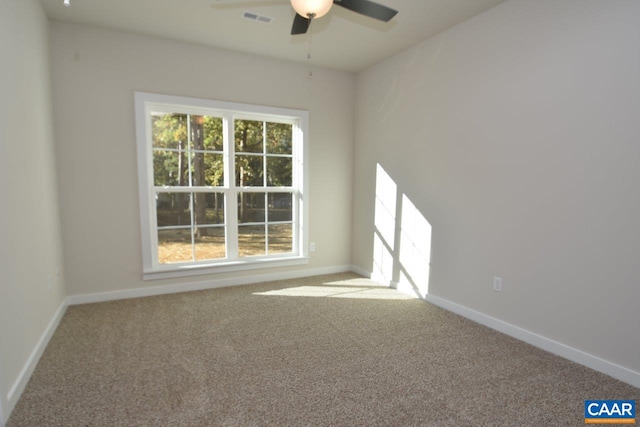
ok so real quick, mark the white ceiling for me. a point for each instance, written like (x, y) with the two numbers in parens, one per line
(341, 40)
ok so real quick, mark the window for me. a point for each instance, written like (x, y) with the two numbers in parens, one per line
(221, 185)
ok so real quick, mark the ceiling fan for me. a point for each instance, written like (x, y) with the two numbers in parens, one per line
(308, 10)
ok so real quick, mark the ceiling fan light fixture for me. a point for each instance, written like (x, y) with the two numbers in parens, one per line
(311, 8)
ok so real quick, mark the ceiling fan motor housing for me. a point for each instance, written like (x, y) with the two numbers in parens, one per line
(311, 8)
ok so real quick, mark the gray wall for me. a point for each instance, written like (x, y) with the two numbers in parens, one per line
(31, 274)
(515, 135)
(95, 73)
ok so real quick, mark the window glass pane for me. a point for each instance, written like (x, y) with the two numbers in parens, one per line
(189, 205)
(213, 136)
(279, 137)
(280, 238)
(174, 245)
(169, 131)
(169, 167)
(280, 206)
(251, 240)
(248, 136)
(208, 170)
(251, 207)
(198, 171)
(172, 209)
(279, 171)
(249, 171)
(214, 170)
(208, 208)
(210, 243)
(197, 131)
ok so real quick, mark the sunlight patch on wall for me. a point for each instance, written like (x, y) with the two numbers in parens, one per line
(382, 261)
(415, 249)
(385, 206)
(385, 226)
(401, 239)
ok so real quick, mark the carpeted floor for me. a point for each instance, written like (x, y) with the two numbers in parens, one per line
(323, 351)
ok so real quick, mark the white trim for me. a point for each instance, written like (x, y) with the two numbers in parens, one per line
(23, 378)
(606, 367)
(167, 272)
(559, 349)
(198, 286)
(145, 103)
(578, 356)
(361, 271)
(143, 133)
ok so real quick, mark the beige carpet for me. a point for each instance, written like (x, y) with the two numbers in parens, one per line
(331, 350)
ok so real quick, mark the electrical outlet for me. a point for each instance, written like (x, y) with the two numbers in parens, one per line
(497, 284)
(312, 246)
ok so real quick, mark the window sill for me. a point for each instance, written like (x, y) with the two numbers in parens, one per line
(170, 271)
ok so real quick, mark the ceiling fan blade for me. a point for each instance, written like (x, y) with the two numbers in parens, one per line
(300, 25)
(368, 8)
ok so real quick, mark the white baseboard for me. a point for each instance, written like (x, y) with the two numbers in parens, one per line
(616, 371)
(578, 356)
(593, 362)
(198, 286)
(23, 378)
(361, 271)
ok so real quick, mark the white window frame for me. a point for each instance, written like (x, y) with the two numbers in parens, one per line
(145, 103)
